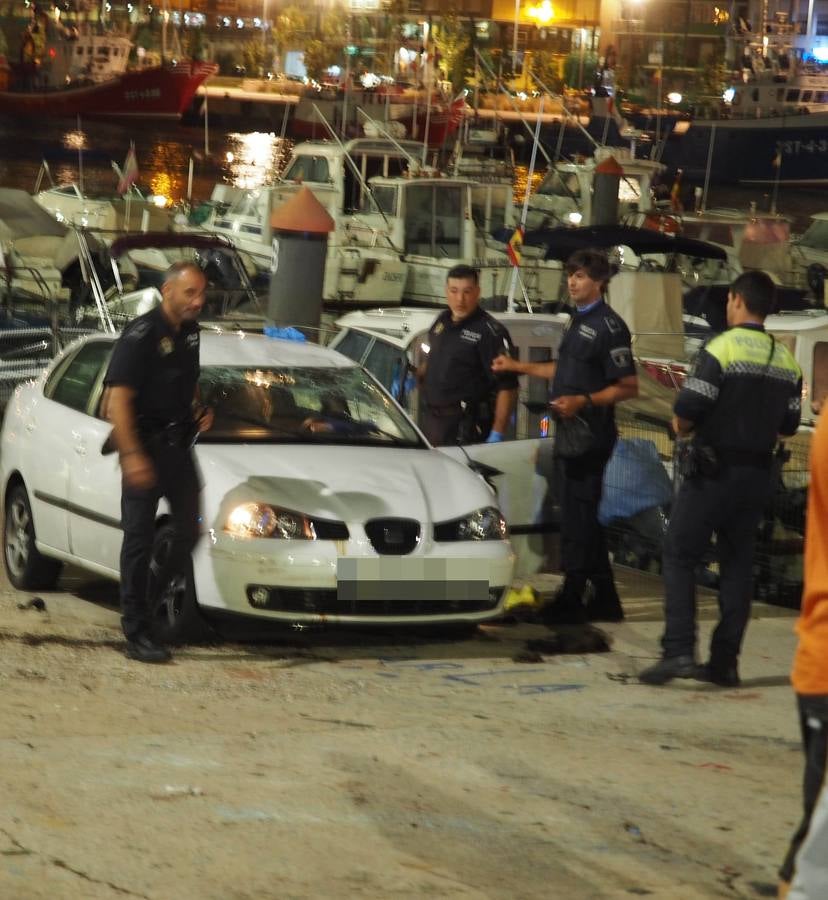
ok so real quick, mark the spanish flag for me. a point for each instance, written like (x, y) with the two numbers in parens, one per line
(515, 246)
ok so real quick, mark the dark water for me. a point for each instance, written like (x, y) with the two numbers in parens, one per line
(245, 159)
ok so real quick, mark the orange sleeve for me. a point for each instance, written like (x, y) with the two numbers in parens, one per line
(810, 669)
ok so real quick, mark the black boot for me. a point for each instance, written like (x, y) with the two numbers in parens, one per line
(668, 668)
(724, 674)
(144, 649)
(567, 607)
(604, 605)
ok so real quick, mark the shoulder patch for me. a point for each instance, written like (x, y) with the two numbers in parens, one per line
(138, 330)
(621, 356)
(613, 325)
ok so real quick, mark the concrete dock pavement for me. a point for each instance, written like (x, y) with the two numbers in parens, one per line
(379, 764)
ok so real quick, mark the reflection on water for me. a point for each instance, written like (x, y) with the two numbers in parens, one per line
(74, 140)
(164, 152)
(255, 159)
(522, 179)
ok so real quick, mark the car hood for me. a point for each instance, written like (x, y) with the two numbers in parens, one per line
(341, 483)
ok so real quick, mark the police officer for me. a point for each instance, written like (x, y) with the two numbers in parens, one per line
(152, 385)
(464, 401)
(744, 391)
(593, 372)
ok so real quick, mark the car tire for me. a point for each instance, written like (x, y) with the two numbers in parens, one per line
(175, 616)
(26, 567)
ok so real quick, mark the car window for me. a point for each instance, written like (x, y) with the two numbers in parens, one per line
(353, 345)
(74, 385)
(385, 363)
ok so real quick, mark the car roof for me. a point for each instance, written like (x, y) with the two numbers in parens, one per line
(399, 325)
(238, 348)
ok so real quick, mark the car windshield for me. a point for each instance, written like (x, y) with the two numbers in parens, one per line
(302, 405)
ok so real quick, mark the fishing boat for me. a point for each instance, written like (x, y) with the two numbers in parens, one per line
(406, 112)
(79, 72)
(771, 126)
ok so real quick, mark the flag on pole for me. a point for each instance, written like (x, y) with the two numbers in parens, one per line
(515, 246)
(129, 174)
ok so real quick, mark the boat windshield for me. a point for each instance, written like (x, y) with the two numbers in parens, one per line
(560, 184)
(816, 235)
(302, 405)
(384, 200)
(308, 168)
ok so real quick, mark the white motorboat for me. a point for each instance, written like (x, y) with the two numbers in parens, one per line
(354, 275)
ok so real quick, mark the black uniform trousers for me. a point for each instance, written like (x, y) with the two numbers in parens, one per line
(442, 427)
(584, 553)
(813, 720)
(729, 505)
(179, 482)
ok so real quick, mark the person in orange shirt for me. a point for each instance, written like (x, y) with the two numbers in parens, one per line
(810, 669)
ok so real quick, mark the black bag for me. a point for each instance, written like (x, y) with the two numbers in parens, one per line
(573, 437)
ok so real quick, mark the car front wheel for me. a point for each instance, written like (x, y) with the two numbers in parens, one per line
(26, 566)
(173, 605)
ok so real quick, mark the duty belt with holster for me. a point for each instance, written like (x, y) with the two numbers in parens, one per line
(176, 433)
(156, 433)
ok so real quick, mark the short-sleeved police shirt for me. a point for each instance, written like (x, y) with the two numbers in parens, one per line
(160, 364)
(595, 352)
(460, 359)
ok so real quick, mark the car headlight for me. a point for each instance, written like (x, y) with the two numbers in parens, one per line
(485, 524)
(260, 520)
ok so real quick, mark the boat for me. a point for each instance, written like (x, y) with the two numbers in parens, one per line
(406, 111)
(433, 223)
(809, 252)
(566, 194)
(353, 275)
(770, 128)
(83, 73)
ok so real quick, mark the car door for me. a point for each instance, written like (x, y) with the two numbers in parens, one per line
(52, 429)
(94, 494)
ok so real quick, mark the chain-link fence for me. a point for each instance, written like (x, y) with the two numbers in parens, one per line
(638, 489)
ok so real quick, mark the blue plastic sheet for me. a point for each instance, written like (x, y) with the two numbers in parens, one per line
(285, 334)
(635, 479)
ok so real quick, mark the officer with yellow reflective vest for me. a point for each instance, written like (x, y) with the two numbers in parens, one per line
(743, 393)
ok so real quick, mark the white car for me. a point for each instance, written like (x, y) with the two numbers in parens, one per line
(322, 501)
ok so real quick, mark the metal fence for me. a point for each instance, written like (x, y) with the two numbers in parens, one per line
(636, 540)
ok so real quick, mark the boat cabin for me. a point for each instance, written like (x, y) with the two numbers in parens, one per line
(565, 195)
(435, 217)
(326, 164)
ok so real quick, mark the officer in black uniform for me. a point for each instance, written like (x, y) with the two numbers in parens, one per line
(464, 400)
(152, 385)
(745, 390)
(593, 372)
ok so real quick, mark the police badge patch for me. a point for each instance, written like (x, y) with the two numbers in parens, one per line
(621, 356)
(165, 346)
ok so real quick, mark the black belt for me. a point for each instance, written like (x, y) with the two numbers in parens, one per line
(734, 457)
(444, 409)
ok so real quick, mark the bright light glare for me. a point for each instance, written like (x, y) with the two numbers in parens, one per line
(674, 97)
(728, 95)
(821, 54)
(574, 218)
(543, 12)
